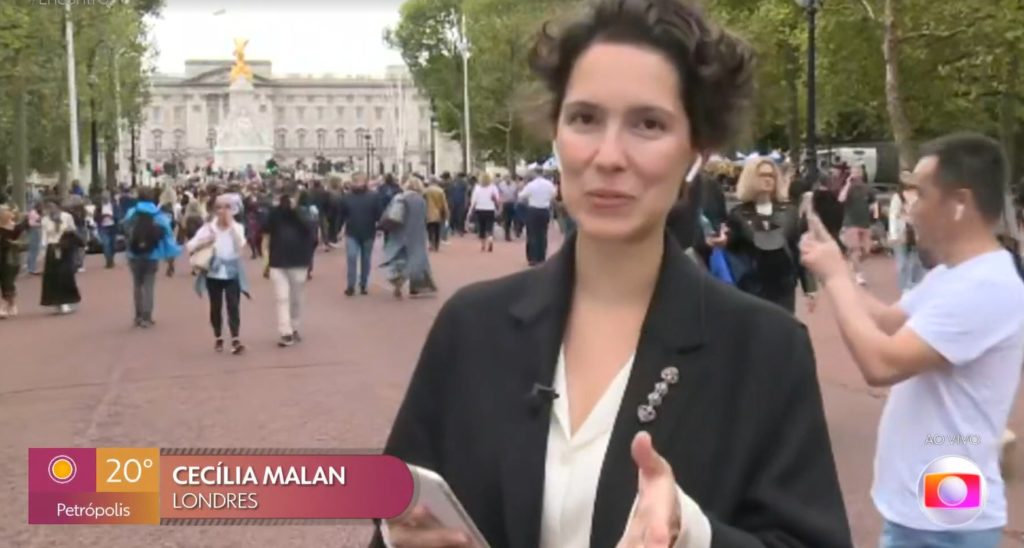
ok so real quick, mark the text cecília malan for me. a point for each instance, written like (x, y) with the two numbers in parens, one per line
(221, 475)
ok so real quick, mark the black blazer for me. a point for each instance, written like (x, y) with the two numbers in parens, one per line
(743, 429)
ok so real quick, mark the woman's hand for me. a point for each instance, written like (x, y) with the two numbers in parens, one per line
(419, 529)
(657, 519)
(722, 239)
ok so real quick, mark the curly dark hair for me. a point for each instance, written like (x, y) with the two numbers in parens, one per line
(716, 68)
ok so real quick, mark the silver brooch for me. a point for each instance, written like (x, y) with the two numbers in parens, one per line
(648, 412)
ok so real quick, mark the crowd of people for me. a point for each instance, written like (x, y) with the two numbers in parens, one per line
(280, 219)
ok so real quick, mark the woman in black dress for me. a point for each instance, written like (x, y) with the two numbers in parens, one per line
(62, 245)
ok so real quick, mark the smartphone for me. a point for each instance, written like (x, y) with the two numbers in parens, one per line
(433, 493)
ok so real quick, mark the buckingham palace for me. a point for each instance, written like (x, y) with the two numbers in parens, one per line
(347, 120)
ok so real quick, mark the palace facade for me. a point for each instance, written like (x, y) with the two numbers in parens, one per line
(380, 124)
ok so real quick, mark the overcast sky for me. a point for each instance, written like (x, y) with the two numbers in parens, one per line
(343, 37)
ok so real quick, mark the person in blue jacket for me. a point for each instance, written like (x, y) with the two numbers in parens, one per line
(150, 239)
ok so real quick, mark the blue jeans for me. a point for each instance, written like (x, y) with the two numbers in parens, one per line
(356, 249)
(909, 269)
(108, 235)
(898, 536)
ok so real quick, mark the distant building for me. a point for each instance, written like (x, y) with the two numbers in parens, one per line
(342, 119)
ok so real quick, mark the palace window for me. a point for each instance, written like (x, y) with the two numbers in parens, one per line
(340, 135)
(319, 113)
(156, 116)
(340, 112)
(378, 136)
(280, 113)
(359, 113)
(179, 116)
(263, 109)
(158, 137)
(360, 137)
(379, 113)
(179, 140)
(302, 138)
(211, 139)
(280, 138)
(300, 114)
(321, 139)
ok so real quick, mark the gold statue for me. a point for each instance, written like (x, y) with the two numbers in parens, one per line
(241, 68)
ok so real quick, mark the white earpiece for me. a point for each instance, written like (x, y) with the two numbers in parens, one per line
(695, 169)
(959, 212)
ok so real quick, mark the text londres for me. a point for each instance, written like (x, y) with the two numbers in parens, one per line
(221, 475)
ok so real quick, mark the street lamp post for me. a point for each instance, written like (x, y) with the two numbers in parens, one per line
(433, 145)
(131, 128)
(464, 50)
(72, 90)
(811, 7)
(94, 147)
(369, 154)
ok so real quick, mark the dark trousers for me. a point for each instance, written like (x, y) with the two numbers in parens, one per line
(221, 291)
(508, 217)
(484, 224)
(434, 235)
(108, 237)
(458, 218)
(537, 220)
(144, 284)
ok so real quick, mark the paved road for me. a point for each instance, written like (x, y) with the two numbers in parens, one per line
(91, 380)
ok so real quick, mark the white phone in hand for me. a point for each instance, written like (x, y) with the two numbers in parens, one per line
(433, 493)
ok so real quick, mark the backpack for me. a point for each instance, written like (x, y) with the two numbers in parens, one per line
(145, 234)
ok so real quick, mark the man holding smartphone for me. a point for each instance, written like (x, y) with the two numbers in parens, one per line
(951, 348)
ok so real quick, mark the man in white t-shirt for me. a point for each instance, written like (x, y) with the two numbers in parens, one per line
(952, 350)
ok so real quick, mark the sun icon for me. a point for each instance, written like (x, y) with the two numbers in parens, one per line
(62, 469)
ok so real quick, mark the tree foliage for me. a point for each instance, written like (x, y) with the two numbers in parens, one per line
(958, 64)
(33, 66)
(499, 35)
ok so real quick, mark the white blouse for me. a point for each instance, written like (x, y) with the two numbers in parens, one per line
(484, 198)
(573, 468)
(227, 244)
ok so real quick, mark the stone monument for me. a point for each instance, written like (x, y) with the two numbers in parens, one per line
(240, 143)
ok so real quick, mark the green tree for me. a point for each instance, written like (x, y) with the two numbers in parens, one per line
(34, 128)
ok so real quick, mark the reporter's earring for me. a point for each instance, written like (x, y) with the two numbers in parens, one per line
(959, 212)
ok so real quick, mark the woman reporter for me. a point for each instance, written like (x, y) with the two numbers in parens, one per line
(604, 397)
